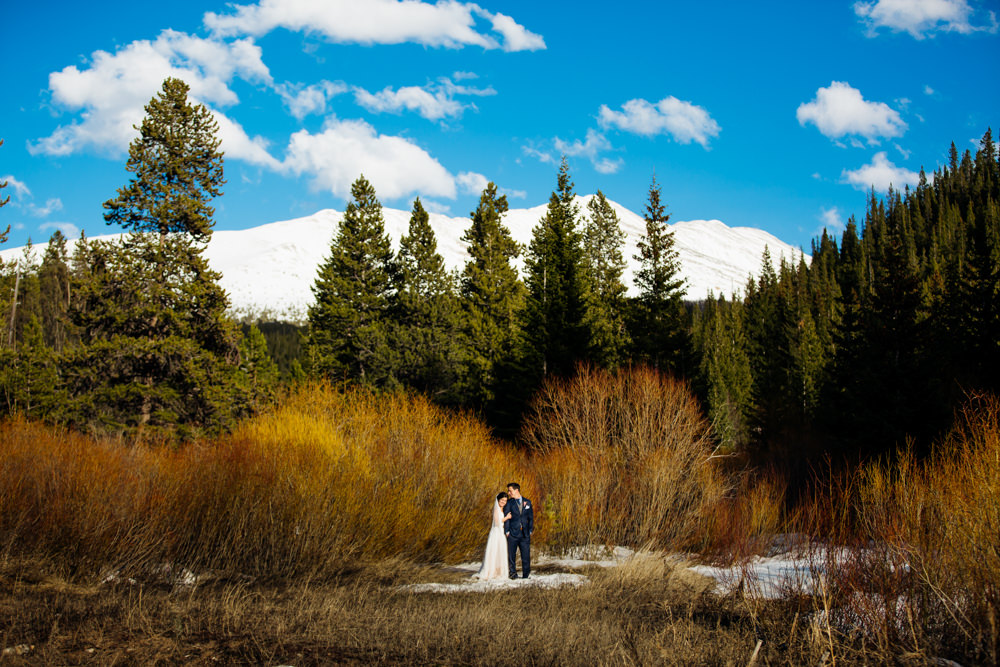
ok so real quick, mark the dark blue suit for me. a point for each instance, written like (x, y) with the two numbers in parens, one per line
(519, 528)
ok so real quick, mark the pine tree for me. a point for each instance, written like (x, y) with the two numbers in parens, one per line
(604, 265)
(492, 297)
(259, 372)
(428, 327)
(725, 368)
(55, 289)
(349, 324)
(157, 352)
(178, 169)
(555, 308)
(658, 328)
(30, 379)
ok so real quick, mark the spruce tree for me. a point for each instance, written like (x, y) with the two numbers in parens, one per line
(604, 265)
(658, 322)
(178, 169)
(725, 371)
(492, 298)
(259, 372)
(157, 352)
(349, 324)
(427, 316)
(54, 284)
(555, 308)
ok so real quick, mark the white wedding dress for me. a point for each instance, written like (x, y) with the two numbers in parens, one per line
(495, 560)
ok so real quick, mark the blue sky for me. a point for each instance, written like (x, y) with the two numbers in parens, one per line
(777, 115)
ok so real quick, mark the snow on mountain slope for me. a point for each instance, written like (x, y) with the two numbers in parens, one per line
(269, 270)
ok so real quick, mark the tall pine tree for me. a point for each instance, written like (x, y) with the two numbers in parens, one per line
(427, 315)
(555, 307)
(349, 324)
(157, 351)
(604, 264)
(493, 300)
(658, 322)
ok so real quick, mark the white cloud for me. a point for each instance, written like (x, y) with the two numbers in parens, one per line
(303, 101)
(921, 18)
(831, 220)
(471, 183)
(840, 110)
(880, 174)
(20, 188)
(591, 148)
(683, 121)
(540, 155)
(447, 23)
(434, 102)
(346, 148)
(21, 198)
(928, 90)
(236, 143)
(432, 206)
(110, 94)
(68, 229)
(51, 206)
(516, 37)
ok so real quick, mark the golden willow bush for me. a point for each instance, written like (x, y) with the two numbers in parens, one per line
(928, 577)
(320, 483)
(622, 458)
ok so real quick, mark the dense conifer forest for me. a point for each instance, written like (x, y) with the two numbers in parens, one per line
(874, 342)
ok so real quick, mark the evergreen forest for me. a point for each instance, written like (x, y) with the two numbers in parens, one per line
(872, 344)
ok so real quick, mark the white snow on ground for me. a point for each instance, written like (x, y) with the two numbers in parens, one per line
(269, 270)
(792, 566)
(474, 585)
(578, 557)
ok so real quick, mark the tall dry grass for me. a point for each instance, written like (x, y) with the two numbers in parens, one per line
(927, 576)
(325, 480)
(622, 458)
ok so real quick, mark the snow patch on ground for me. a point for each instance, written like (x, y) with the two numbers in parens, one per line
(575, 558)
(478, 586)
(793, 566)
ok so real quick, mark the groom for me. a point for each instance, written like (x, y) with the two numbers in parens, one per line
(518, 530)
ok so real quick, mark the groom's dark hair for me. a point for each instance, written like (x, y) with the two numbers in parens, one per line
(514, 485)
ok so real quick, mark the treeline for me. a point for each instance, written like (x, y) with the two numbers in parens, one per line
(877, 339)
(483, 338)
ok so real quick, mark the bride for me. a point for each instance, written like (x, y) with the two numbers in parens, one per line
(495, 561)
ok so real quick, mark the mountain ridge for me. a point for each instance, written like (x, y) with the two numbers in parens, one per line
(268, 270)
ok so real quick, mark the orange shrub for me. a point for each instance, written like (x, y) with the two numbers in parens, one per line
(324, 479)
(622, 458)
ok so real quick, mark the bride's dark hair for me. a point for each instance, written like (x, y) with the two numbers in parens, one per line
(501, 495)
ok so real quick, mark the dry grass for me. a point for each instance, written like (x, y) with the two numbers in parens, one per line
(927, 580)
(647, 612)
(745, 521)
(322, 482)
(622, 458)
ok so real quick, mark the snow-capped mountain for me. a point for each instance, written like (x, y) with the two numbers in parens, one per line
(268, 270)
